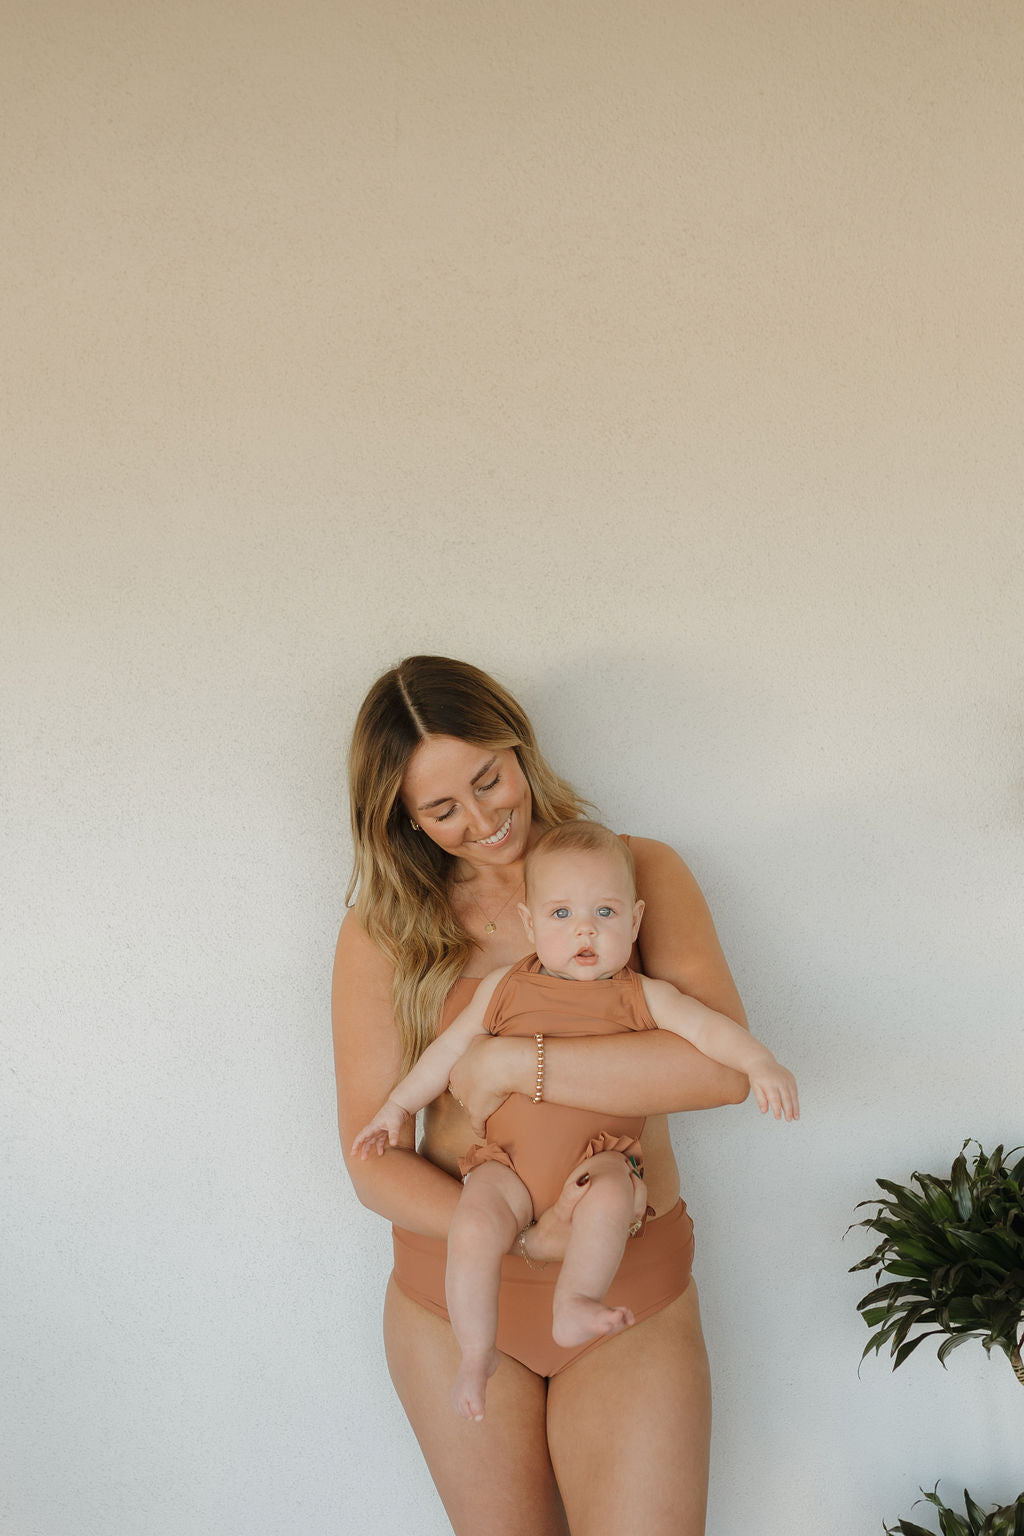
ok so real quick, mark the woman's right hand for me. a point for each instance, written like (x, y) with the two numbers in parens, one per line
(486, 1073)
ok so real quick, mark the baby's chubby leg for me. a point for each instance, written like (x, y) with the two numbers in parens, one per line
(597, 1240)
(493, 1207)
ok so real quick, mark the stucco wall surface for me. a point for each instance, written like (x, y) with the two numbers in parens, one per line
(665, 360)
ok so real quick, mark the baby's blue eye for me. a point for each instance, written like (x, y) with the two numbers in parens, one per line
(605, 912)
(560, 912)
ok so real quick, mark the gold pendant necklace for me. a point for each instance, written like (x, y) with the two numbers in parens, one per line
(491, 923)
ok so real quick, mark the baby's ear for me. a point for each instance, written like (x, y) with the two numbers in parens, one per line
(527, 917)
(638, 912)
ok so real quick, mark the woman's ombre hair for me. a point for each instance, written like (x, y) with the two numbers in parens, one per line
(401, 879)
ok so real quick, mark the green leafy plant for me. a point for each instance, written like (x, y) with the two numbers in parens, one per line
(955, 1250)
(1007, 1520)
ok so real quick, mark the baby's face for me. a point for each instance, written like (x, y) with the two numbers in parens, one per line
(581, 914)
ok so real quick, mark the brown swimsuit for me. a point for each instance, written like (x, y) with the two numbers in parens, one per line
(543, 1143)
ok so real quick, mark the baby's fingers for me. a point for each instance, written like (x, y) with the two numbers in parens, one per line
(775, 1101)
(779, 1098)
(787, 1105)
(364, 1141)
(789, 1097)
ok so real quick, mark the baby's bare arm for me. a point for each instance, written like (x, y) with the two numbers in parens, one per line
(429, 1077)
(719, 1037)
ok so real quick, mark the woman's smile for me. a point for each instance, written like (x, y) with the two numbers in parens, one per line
(496, 837)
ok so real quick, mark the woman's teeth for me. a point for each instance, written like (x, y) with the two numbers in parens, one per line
(499, 836)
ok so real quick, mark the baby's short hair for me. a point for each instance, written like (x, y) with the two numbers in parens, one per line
(581, 837)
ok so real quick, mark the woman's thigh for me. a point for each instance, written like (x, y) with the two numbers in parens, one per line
(629, 1427)
(494, 1478)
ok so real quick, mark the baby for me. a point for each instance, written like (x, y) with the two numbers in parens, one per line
(582, 915)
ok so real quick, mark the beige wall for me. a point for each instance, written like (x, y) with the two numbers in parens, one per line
(665, 359)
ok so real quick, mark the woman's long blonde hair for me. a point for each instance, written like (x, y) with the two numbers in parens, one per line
(403, 879)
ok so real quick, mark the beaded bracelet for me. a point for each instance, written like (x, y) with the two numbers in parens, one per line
(538, 1088)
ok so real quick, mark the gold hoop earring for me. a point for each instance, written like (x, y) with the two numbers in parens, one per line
(414, 824)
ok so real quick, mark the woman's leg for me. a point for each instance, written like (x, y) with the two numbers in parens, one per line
(629, 1428)
(493, 1207)
(597, 1240)
(494, 1478)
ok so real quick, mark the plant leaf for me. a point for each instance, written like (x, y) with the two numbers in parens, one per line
(908, 1349)
(883, 1293)
(989, 1245)
(975, 1513)
(961, 1188)
(907, 1199)
(936, 1192)
(953, 1342)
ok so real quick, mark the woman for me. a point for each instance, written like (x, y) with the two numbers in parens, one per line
(448, 793)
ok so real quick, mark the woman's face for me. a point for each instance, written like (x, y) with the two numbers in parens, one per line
(474, 802)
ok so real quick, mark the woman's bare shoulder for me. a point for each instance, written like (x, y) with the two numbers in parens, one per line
(677, 939)
(658, 861)
(357, 953)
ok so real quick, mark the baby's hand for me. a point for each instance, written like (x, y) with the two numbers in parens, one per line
(775, 1089)
(382, 1130)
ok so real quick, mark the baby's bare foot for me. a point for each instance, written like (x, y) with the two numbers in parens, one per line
(578, 1319)
(470, 1387)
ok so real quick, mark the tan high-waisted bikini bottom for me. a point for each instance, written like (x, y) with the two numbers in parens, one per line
(655, 1269)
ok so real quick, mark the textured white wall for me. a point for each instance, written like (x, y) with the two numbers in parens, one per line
(665, 359)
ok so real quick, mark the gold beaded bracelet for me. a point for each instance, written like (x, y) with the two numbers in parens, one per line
(538, 1089)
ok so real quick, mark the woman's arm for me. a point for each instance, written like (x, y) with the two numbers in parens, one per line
(653, 1073)
(403, 1187)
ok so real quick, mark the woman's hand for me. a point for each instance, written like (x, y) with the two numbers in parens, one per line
(548, 1238)
(487, 1072)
